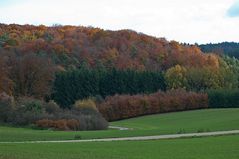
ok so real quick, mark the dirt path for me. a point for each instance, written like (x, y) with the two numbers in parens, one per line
(174, 136)
(119, 128)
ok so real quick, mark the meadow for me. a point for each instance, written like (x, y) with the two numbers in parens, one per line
(169, 123)
(221, 147)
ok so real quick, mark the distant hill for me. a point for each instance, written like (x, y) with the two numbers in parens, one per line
(228, 48)
(69, 46)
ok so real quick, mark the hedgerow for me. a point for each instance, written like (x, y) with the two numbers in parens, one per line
(126, 106)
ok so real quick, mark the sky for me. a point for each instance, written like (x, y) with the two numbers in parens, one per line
(190, 21)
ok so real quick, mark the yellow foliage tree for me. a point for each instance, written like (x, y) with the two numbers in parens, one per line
(176, 77)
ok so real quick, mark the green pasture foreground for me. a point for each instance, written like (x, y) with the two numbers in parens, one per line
(170, 123)
(221, 147)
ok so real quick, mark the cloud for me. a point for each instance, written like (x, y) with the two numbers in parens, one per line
(6, 3)
(233, 11)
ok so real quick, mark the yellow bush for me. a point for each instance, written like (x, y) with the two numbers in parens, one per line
(85, 104)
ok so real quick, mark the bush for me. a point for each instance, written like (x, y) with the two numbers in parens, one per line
(28, 111)
(30, 105)
(98, 99)
(5, 110)
(92, 120)
(73, 124)
(62, 124)
(125, 106)
(89, 119)
(85, 104)
(51, 107)
(74, 120)
(223, 98)
(6, 106)
(22, 118)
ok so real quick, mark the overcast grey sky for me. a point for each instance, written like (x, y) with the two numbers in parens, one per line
(190, 21)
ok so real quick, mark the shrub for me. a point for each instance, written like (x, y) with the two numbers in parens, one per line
(223, 98)
(31, 105)
(89, 119)
(44, 123)
(5, 110)
(51, 107)
(20, 117)
(62, 124)
(26, 111)
(92, 120)
(85, 104)
(98, 99)
(86, 119)
(82, 123)
(125, 106)
(73, 124)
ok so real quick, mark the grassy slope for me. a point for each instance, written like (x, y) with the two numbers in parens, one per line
(180, 122)
(193, 148)
(189, 121)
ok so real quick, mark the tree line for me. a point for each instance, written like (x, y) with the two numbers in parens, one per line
(72, 85)
(37, 76)
(227, 48)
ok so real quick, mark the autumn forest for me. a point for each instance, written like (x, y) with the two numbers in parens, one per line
(53, 74)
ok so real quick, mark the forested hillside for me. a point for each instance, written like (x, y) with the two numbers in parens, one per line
(58, 48)
(227, 48)
(69, 46)
(45, 69)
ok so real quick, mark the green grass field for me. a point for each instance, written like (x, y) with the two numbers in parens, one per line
(170, 123)
(221, 147)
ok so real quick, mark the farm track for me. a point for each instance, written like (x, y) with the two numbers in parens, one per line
(119, 128)
(140, 138)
